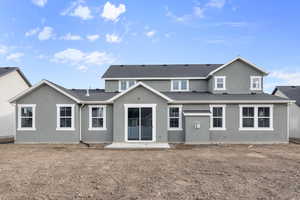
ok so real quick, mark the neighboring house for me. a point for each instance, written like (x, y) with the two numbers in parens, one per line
(293, 93)
(157, 104)
(12, 82)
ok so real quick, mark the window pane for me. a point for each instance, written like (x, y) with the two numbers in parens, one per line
(65, 122)
(174, 112)
(175, 85)
(131, 83)
(217, 122)
(174, 123)
(123, 85)
(218, 112)
(256, 83)
(248, 122)
(264, 123)
(97, 112)
(68, 111)
(62, 111)
(26, 111)
(184, 84)
(97, 122)
(26, 122)
(248, 112)
(263, 112)
(220, 83)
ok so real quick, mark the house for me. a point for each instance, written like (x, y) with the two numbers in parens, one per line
(155, 105)
(293, 93)
(12, 82)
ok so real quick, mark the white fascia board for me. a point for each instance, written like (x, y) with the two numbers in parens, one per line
(233, 101)
(154, 78)
(232, 61)
(196, 114)
(145, 86)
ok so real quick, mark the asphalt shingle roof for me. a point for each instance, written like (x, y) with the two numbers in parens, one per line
(157, 71)
(292, 92)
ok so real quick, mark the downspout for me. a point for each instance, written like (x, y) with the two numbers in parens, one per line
(80, 135)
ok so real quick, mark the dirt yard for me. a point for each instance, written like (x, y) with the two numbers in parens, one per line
(187, 172)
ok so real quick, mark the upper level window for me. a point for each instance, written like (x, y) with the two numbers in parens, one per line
(256, 117)
(26, 117)
(255, 83)
(65, 117)
(175, 117)
(97, 117)
(125, 84)
(179, 85)
(220, 83)
(217, 121)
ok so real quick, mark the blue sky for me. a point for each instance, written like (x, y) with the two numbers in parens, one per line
(72, 42)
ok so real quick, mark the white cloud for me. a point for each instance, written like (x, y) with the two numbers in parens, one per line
(46, 34)
(40, 3)
(14, 57)
(112, 12)
(151, 33)
(113, 38)
(92, 37)
(3, 49)
(82, 68)
(287, 78)
(216, 3)
(199, 12)
(77, 57)
(69, 36)
(32, 32)
(83, 12)
(234, 24)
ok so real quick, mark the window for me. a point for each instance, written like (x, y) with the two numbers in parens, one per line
(220, 83)
(97, 117)
(65, 117)
(179, 85)
(255, 83)
(256, 117)
(125, 84)
(175, 117)
(217, 121)
(26, 117)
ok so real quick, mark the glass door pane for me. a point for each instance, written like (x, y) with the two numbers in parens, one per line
(133, 123)
(146, 123)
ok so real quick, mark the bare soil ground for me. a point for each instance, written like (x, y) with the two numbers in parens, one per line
(186, 172)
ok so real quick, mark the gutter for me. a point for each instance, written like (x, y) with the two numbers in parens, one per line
(80, 135)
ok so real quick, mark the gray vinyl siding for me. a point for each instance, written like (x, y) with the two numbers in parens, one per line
(140, 95)
(237, 78)
(46, 99)
(97, 136)
(197, 135)
(160, 85)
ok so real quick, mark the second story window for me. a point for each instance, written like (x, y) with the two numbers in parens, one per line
(220, 83)
(179, 85)
(125, 84)
(255, 83)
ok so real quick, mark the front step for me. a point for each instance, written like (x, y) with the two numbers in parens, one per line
(138, 146)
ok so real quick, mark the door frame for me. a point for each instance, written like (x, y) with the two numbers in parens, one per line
(153, 106)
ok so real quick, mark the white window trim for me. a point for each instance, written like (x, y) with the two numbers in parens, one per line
(224, 82)
(90, 118)
(127, 84)
(58, 106)
(33, 128)
(223, 128)
(180, 88)
(180, 118)
(256, 128)
(251, 82)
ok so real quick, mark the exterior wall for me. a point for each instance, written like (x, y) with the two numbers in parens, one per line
(140, 95)
(160, 85)
(10, 85)
(197, 135)
(46, 99)
(294, 117)
(97, 136)
(237, 78)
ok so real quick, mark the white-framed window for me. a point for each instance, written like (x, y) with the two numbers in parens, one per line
(220, 82)
(255, 83)
(65, 117)
(175, 117)
(256, 117)
(180, 85)
(97, 117)
(218, 117)
(26, 117)
(125, 84)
